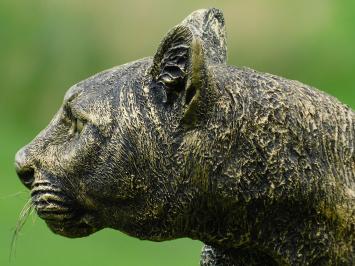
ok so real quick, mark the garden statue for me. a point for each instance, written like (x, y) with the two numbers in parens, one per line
(258, 167)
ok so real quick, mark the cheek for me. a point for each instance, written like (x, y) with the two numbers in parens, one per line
(73, 155)
(108, 180)
(114, 177)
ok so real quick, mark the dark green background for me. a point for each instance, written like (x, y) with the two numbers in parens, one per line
(46, 46)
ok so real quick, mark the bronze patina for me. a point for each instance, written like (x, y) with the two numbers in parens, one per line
(258, 167)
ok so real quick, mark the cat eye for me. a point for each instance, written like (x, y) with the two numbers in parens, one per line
(77, 126)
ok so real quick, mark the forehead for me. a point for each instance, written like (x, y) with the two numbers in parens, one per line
(105, 85)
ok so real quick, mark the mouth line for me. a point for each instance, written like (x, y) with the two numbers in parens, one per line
(54, 215)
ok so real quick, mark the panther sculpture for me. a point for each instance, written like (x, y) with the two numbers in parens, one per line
(259, 168)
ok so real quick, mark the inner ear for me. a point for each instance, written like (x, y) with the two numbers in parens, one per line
(171, 64)
(179, 76)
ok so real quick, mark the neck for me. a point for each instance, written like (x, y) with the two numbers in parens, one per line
(278, 231)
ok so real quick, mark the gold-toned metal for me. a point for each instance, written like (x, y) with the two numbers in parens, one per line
(258, 167)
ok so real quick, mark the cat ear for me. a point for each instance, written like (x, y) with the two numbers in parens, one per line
(209, 26)
(200, 91)
(180, 65)
(172, 61)
(180, 73)
(172, 64)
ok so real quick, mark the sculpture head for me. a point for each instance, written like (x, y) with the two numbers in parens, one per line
(108, 158)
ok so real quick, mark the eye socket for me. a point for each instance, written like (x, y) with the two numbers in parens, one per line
(77, 126)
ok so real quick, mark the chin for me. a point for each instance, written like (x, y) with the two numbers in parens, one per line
(72, 229)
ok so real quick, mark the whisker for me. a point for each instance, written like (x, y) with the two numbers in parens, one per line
(13, 195)
(26, 211)
(33, 216)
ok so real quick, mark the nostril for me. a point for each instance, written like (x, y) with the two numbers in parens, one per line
(26, 175)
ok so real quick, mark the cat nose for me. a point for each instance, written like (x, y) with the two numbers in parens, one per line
(23, 169)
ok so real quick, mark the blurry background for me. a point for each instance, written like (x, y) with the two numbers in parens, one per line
(47, 46)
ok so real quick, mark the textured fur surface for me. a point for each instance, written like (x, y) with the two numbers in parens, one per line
(258, 167)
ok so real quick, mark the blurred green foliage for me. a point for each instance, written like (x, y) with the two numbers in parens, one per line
(46, 46)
